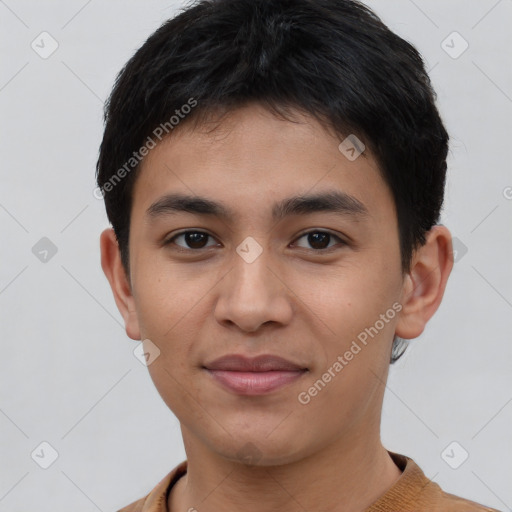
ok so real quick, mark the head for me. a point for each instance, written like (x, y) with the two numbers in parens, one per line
(304, 161)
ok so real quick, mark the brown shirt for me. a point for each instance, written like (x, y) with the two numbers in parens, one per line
(412, 492)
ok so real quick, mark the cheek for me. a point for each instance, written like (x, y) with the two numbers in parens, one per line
(346, 382)
(361, 309)
(170, 313)
(167, 377)
(355, 297)
(165, 297)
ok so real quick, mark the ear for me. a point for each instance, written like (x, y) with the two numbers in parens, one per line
(121, 288)
(424, 285)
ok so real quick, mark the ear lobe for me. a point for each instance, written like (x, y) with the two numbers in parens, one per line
(425, 284)
(119, 283)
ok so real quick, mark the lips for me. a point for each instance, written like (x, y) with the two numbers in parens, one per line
(253, 376)
(263, 363)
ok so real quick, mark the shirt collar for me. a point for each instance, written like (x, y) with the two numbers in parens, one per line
(412, 476)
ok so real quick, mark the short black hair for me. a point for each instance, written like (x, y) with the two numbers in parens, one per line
(334, 60)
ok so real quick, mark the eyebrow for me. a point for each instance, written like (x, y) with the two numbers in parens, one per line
(336, 202)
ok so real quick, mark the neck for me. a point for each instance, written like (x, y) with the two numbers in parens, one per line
(347, 476)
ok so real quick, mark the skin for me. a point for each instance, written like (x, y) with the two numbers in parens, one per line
(293, 301)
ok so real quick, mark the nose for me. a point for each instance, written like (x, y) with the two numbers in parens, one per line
(253, 294)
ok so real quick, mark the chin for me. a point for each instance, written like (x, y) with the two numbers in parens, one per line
(260, 451)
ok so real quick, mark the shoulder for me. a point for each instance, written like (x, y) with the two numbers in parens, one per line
(436, 500)
(136, 506)
(450, 502)
(156, 500)
(414, 492)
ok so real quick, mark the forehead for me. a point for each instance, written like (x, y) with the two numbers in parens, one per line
(254, 159)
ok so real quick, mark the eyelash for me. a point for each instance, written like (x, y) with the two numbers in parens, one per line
(185, 249)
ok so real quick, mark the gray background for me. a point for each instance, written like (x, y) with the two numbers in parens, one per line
(68, 373)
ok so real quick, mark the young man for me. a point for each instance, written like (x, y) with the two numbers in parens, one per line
(274, 172)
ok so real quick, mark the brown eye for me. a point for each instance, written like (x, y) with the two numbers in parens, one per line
(193, 240)
(319, 240)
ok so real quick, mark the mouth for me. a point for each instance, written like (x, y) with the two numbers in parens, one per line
(254, 376)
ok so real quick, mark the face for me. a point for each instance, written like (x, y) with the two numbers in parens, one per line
(317, 283)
